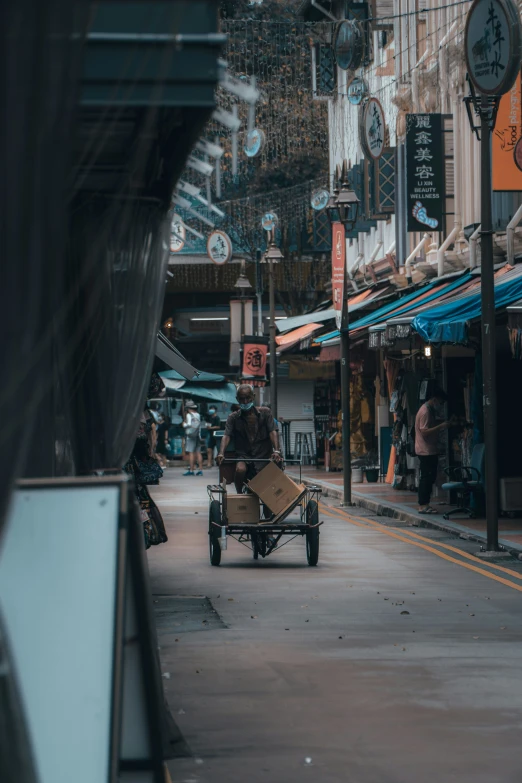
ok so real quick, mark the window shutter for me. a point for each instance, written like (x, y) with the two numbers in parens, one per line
(325, 71)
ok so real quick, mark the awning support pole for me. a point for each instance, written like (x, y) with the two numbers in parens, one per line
(489, 358)
(345, 398)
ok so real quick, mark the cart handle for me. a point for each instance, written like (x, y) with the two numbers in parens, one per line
(253, 459)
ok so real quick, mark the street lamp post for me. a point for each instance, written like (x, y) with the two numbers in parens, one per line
(489, 78)
(343, 208)
(272, 256)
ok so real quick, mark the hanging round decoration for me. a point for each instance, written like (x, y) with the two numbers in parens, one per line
(219, 247)
(493, 45)
(357, 90)
(319, 200)
(372, 129)
(255, 142)
(348, 45)
(178, 234)
(269, 221)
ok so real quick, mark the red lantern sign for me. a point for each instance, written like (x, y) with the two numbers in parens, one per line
(338, 264)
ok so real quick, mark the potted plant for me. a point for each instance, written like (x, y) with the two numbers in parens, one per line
(371, 467)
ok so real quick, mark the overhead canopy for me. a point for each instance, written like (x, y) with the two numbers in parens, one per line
(225, 393)
(409, 302)
(203, 377)
(303, 320)
(448, 323)
(173, 358)
(289, 338)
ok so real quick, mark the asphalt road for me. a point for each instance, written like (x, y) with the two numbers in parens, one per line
(397, 660)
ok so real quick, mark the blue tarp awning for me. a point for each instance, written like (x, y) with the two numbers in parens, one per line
(448, 323)
(202, 377)
(429, 293)
(224, 393)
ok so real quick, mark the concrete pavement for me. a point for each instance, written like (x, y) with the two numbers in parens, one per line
(396, 660)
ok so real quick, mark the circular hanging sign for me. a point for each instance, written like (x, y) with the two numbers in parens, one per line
(319, 199)
(357, 90)
(178, 234)
(373, 128)
(493, 45)
(348, 45)
(219, 247)
(255, 141)
(269, 221)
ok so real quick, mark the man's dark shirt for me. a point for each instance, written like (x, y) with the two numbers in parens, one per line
(250, 431)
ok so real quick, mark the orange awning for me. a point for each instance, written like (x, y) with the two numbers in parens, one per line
(297, 334)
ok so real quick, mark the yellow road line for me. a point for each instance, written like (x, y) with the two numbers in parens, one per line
(443, 555)
(450, 548)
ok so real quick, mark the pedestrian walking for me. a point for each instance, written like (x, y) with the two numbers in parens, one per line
(428, 426)
(163, 445)
(213, 425)
(192, 427)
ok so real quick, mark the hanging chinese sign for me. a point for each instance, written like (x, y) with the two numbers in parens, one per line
(508, 130)
(348, 45)
(493, 45)
(319, 199)
(338, 264)
(219, 247)
(255, 351)
(372, 129)
(269, 221)
(178, 234)
(425, 172)
(357, 90)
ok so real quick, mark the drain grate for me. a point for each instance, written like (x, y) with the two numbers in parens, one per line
(185, 614)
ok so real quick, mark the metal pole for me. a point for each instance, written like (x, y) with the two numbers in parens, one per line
(345, 399)
(488, 332)
(273, 357)
(259, 296)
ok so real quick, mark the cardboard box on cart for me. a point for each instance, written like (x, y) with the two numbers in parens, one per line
(242, 509)
(275, 489)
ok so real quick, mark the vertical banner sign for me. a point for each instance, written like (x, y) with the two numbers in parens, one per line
(508, 130)
(425, 172)
(338, 263)
(255, 351)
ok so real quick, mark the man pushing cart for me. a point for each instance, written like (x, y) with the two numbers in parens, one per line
(258, 516)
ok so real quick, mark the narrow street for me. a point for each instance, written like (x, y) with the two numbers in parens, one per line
(396, 660)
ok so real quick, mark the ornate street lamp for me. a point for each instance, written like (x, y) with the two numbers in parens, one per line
(343, 207)
(273, 256)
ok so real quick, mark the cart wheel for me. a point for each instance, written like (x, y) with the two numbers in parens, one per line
(214, 515)
(312, 534)
(255, 546)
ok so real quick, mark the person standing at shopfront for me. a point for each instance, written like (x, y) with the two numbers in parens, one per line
(213, 425)
(428, 426)
(192, 427)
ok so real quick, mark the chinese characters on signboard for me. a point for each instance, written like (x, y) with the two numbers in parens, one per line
(219, 247)
(508, 130)
(254, 357)
(425, 164)
(338, 262)
(492, 45)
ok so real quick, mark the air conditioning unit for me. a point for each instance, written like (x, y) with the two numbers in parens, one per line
(511, 494)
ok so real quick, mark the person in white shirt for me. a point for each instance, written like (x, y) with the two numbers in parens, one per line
(192, 427)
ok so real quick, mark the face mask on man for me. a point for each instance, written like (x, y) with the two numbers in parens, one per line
(246, 406)
(212, 411)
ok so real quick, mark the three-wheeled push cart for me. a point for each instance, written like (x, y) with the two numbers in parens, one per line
(266, 536)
